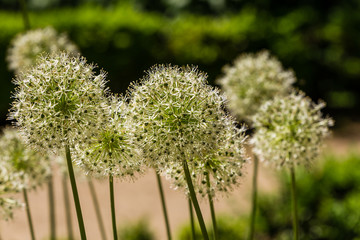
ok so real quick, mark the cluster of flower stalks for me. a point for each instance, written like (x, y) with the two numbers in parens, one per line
(171, 121)
(288, 128)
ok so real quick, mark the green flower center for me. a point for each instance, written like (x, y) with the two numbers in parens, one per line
(113, 141)
(18, 155)
(66, 104)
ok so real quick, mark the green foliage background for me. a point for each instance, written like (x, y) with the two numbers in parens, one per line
(328, 205)
(321, 43)
(136, 231)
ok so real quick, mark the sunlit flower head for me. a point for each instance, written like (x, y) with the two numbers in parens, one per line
(26, 47)
(252, 80)
(181, 118)
(25, 167)
(112, 149)
(215, 175)
(290, 130)
(57, 102)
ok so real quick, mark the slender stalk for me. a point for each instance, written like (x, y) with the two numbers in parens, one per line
(111, 185)
(97, 208)
(75, 193)
(25, 14)
(192, 220)
(163, 205)
(195, 201)
(254, 199)
(52, 208)
(67, 207)
(294, 205)
(212, 209)
(27, 206)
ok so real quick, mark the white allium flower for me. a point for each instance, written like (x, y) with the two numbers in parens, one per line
(111, 149)
(25, 167)
(58, 101)
(181, 118)
(7, 206)
(252, 80)
(224, 170)
(25, 48)
(9, 184)
(290, 130)
(9, 181)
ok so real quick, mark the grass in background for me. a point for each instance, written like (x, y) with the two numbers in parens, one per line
(138, 230)
(328, 201)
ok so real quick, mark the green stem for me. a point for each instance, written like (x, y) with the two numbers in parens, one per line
(111, 185)
(254, 199)
(67, 207)
(75, 193)
(192, 220)
(25, 15)
(212, 209)
(163, 205)
(27, 206)
(52, 208)
(195, 201)
(97, 208)
(294, 205)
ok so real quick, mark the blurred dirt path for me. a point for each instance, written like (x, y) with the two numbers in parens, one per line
(136, 200)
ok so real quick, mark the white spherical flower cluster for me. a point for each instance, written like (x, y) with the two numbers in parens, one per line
(253, 80)
(215, 175)
(112, 150)
(25, 167)
(7, 206)
(25, 48)
(58, 101)
(9, 181)
(9, 184)
(290, 130)
(181, 118)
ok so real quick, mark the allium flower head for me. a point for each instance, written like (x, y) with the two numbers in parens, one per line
(25, 167)
(252, 80)
(215, 175)
(20, 167)
(111, 149)
(58, 101)
(9, 184)
(9, 180)
(290, 130)
(182, 119)
(25, 48)
(7, 206)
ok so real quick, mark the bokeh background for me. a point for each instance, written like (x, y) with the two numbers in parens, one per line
(319, 40)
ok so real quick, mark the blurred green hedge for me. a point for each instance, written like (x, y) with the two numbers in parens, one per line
(328, 202)
(324, 51)
(328, 205)
(138, 230)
